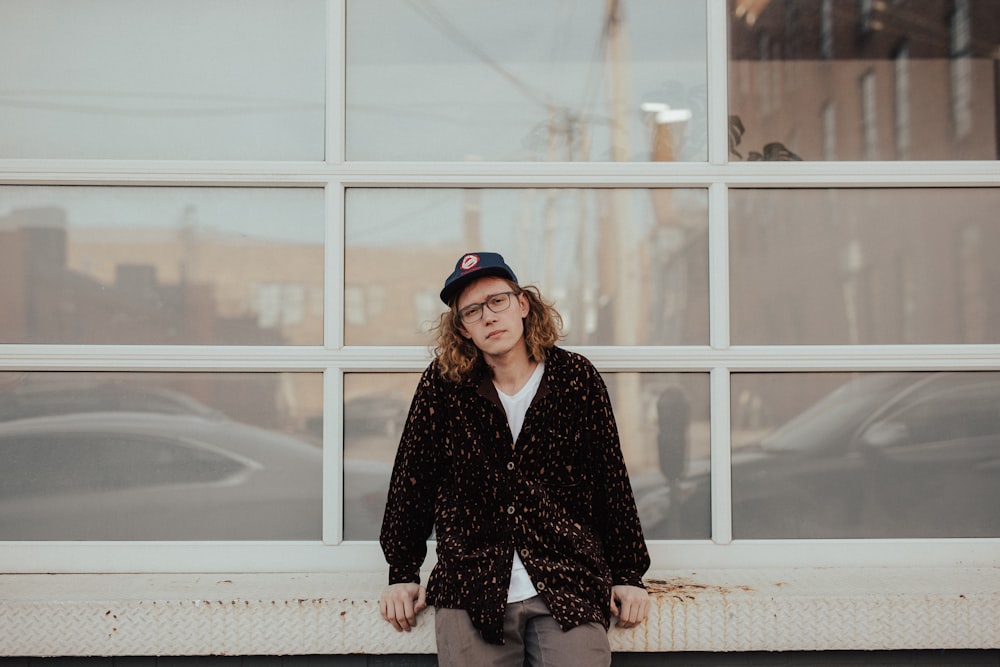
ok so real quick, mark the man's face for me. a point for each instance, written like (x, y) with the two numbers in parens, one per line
(496, 334)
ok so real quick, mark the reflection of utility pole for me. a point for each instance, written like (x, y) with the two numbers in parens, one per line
(666, 240)
(548, 211)
(663, 118)
(618, 243)
(188, 235)
(620, 261)
(584, 305)
(472, 219)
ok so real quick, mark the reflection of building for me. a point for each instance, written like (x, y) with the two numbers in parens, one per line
(867, 267)
(902, 80)
(47, 299)
(675, 300)
(263, 292)
(393, 294)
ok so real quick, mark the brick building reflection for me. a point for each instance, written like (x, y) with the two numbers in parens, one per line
(124, 298)
(844, 80)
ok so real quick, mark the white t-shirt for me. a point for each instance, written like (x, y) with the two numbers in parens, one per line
(516, 407)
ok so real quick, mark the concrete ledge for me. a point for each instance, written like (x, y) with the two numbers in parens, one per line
(289, 614)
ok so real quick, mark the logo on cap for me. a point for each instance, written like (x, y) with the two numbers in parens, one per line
(469, 261)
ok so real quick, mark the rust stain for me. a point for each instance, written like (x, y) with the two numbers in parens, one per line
(683, 589)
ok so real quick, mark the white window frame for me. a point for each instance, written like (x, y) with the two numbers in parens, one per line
(718, 357)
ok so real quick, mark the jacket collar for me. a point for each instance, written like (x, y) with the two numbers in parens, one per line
(488, 390)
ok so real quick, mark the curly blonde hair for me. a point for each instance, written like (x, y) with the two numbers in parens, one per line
(457, 356)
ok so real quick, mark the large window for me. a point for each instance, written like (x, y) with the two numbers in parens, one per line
(224, 225)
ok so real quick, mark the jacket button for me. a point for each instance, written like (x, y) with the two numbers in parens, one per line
(510, 465)
(540, 586)
(510, 510)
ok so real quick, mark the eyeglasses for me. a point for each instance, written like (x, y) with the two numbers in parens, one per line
(497, 303)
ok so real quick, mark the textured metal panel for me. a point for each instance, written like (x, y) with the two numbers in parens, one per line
(271, 614)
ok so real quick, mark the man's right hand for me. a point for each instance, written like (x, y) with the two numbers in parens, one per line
(400, 604)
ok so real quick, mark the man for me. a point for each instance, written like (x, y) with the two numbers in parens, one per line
(511, 454)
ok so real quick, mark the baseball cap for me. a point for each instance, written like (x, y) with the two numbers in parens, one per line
(471, 266)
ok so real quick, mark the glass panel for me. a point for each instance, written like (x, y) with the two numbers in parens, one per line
(663, 421)
(523, 80)
(375, 408)
(120, 79)
(160, 456)
(624, 267)
(872, 81)
(841, 455)
(865, 266)
(102, 265)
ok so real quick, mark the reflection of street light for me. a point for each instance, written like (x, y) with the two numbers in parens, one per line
(664, 114)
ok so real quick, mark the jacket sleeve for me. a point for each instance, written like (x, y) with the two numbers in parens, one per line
(409, 511)
(615, 513)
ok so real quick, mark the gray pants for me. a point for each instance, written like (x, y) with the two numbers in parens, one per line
(529, 632)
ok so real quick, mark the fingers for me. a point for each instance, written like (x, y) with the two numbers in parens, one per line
(632, 614)
(398, 615)
(399, 605)
(632, 606)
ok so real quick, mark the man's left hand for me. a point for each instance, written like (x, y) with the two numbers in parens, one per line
(630, 604)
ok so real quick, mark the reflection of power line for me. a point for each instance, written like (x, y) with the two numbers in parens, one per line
(592, 87)
(411, 113)
(563, 125)
(196, 105)
(441, 22)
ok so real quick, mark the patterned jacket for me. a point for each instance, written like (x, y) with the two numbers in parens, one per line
(560, 495)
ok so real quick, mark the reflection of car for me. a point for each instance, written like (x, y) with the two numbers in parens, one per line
(652, 500)
(82, 396)
(886, 455)
(366, 485)
(108, 460)
(149, 476)
(374, 415)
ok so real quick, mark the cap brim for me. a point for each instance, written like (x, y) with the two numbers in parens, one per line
(454, 288)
